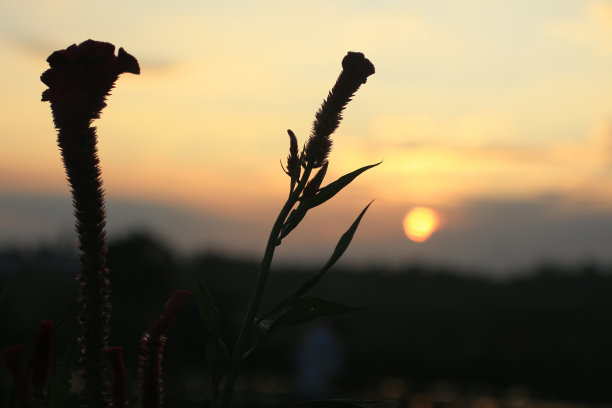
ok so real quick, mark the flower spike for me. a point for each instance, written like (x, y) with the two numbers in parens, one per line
(356, 69)
(152, 348)
(79, 79)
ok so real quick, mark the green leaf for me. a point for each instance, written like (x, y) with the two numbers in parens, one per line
(59, 380)
(324, 194)
(208, 311)
(218, 360)
(295, 217)
(304, 309)
(341, 247)
(265, 323)
(340, 403)
(333, 188)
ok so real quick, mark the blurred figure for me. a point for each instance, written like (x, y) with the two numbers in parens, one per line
(320, 359)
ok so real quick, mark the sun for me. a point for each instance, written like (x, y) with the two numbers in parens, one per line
(420, 223)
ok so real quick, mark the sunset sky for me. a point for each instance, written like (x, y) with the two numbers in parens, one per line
(497, 114)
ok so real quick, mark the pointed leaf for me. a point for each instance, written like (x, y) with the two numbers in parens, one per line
(218, 360)
(341, 247)
(324, 194)
(333, 188)
(295, 217)
(264, 325)
(307, 308)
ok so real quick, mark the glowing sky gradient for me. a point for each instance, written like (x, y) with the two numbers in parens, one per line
(474, 104)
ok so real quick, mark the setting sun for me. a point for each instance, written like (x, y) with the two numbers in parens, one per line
(420, 223)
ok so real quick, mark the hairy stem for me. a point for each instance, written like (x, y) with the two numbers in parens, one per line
(79, 153)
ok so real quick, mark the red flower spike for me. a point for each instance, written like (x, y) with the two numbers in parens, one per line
(119, 392)
(152, 348)
(79, 79)
(41, 360)
(14, 361)
(171, 308)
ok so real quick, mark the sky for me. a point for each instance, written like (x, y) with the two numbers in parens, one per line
(496, 114)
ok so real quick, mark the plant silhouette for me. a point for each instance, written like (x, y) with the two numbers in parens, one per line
(79, 80)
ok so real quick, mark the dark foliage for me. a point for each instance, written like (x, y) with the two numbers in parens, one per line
(548, 331)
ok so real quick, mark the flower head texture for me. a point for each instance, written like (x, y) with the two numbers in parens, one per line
(152, 349)
(356, 69)
(81, 76)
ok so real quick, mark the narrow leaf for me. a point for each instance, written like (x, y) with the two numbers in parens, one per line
(295, 217)
(265, 323)
(218, 360)
(333, 188)
(324, 194)
(341, 247)
(306, 308)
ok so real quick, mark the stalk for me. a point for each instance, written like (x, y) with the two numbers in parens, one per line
(262, 277)
(79, 79)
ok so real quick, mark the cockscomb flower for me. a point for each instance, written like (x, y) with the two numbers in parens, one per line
(152, 348)
(81, 76)
(356, 69)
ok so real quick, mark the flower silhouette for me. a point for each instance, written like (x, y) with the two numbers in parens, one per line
(81, 76)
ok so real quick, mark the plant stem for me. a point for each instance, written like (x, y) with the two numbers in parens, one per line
(262, 276)
(79, 153)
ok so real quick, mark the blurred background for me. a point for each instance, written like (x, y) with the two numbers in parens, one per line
(494, 119)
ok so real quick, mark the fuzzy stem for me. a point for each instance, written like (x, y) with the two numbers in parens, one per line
(262, 276)
(79, 79)
(79, 153)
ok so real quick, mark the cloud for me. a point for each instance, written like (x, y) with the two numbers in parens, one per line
(492, 236)
(33, 218)
(496, 237)
(593, 29)
(477, 129)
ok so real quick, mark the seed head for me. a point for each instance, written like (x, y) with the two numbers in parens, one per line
(356, 69)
